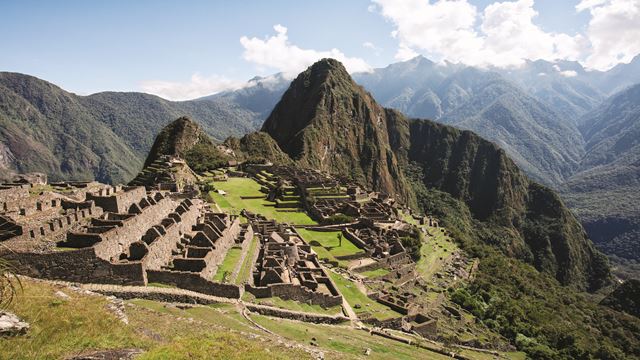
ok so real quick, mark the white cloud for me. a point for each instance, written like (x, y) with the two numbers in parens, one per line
(568, 73)
(614, 31)
(405, 53)
(369, 45)
(276, 52)
(196, 87)
(504, 34)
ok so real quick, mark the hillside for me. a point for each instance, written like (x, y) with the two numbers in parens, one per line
(524, 219)
(544, 144)
(605, 191)
(325, 121)
(103, 136)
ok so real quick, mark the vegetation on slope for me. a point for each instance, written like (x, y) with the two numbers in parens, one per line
(81, 324)
(530, 222)
(325, 121)
(606, 192)
(186, 139)
(257, 147)
(103, 136)
(626, 297)
(530, 308)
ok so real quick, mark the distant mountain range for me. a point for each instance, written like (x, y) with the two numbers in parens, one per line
(105, 136)
(606, 190)
(557, 121)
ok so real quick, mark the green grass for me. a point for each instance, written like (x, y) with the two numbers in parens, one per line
(60, 327)
(351, 343)
(228, 265)
(375, 273)
(435, 247)
(64, 328)
(233, 203)
(354, 296)
(247, 263)
(329, 241)
(294, 305)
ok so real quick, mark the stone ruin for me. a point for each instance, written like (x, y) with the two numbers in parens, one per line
(166, 173)
(286, 267)
(320, 194)
(380, 244)
(116, 234)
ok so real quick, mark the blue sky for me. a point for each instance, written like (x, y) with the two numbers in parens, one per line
(183, 49)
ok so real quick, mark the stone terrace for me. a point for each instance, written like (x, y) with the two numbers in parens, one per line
(288, 268)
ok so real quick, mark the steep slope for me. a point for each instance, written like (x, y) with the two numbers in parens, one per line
(257, 147)
(524, 219)
(184, 138)
(103, 136)
(606, 192)
(547, 146)
(259, 96)
(626, 297)
(564, 86)
(325, 121)
(44, 128)
(543, 145)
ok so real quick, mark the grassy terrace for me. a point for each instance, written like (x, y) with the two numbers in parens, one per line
(247, 263)
(66, 328)
(232, 202)
(435, 250)
(349, 342)
(225, 270)
(329, 241)
(354, 296)
(293, 305)
(375, 273)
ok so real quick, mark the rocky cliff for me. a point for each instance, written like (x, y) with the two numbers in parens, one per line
(325, 121)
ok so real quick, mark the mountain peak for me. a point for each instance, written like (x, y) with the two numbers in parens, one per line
(328, 122)
(177, 138)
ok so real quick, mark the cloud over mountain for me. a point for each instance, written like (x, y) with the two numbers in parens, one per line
(505, 33)
(276, 52)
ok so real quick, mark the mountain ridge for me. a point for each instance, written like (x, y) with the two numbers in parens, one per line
(324, 103)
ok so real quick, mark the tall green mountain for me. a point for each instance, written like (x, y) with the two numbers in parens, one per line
(185, 139)
(606, 190)
(526, 220)
(176, 139)
(326, 121)
(103, 136)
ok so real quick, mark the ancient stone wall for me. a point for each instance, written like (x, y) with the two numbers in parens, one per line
(295, 315)
(160, 249)
(118, 239)
(296, 293)
(222, 245)
(121, 201)
(12, 196)
(59, 224)
(194, 282)
(77, 266)
(351, 236)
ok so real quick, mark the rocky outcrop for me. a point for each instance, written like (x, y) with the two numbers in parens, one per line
(11, 325)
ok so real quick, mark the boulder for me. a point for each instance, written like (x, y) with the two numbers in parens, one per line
(11, 325)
